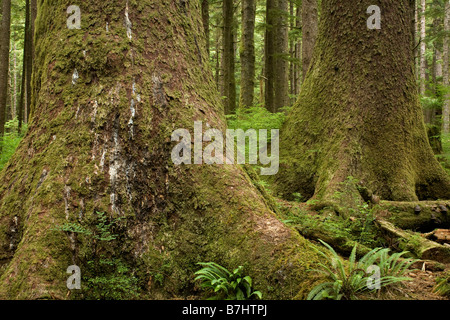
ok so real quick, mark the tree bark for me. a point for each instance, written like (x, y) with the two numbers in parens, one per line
(228, 57)
(358, 114)
(247, 53)
(269, 98)
(423, 47)
(100, 142)
(4, 62)
(29, 58)
(298, 74)
(310, 30)
(24, 107)
(445, 73)
(276, 49)
(205, 19)
(281, 85)
(14, 100)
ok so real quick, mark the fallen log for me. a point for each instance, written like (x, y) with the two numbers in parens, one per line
(421, 216)
(413, 242)
(341, 244)
(439, 235)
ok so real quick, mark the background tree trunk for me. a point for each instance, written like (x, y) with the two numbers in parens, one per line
(445, 73)
(247, 53)
(310, 29)
(281, 85)
(228, 57)
(205, 18)
(101, 143)
(28, 59)
(358, 114)
(4, 62)
(276, 50)
(423, 48)
(269, 64)
(24, 107)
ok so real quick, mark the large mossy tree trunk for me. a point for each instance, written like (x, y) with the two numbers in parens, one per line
(107, 98)
(358, 114)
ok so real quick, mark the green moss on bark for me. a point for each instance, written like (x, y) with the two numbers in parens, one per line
(358, 113)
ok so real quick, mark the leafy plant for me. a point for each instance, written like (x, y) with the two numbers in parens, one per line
(225, 284)
(443, 285)
(345, 281)
(298, 197)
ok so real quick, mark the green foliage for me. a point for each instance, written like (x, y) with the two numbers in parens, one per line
(346, 280)
(10, 141)
(256, 117)
(225, 284)
(105, 276)
(298, 197)
(359, 228)
(444, 158)
(443, 284)
(431, 102)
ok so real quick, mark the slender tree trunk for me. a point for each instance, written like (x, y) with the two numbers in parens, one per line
(217, 56)
(24, 88)
(205, 19)
(228, 57)
(276, 49)
(310, 30)
(281, 41)
(247, 53)
(416, 38)
(10, 104)
(445, 73)
(337, 131)
(423, 47)
(298, 55)
(4, 62)
(101, 143)
(14, 114)
(269, 64)
(291, 51)
(29, 58)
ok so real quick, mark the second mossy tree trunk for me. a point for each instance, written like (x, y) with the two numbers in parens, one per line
(108, 97)
(358, 114)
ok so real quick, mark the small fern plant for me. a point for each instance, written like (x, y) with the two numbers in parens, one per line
(346, 280)
(224, 284)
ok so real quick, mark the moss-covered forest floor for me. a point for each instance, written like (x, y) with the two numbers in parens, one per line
(345, 232)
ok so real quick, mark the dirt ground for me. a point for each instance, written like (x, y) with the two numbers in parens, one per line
(421, 287)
